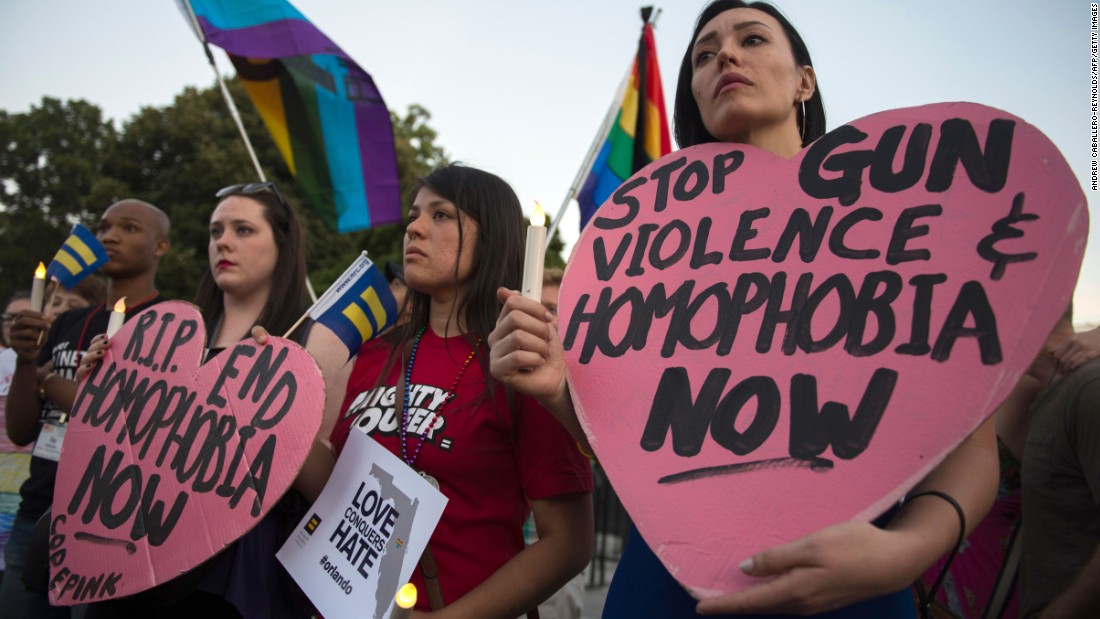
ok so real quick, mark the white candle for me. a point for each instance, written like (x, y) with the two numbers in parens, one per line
(118, 316)
(535, 255)
(404, 601)
(38, 288)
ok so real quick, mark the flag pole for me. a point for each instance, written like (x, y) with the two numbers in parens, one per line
(601, 136)
(225, 91)
(296, 324)
(590, 157)
(233, 112)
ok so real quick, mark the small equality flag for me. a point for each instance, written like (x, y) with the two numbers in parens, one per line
(357, 306)
(639, 136)
(323, 111)
(80, 255)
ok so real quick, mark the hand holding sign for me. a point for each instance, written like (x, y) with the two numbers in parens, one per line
(759, 348)
(165, 462)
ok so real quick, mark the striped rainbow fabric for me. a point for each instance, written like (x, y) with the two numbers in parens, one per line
(639, 134)
(324, 112)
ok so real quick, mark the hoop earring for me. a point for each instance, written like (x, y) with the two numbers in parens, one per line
(803, 122)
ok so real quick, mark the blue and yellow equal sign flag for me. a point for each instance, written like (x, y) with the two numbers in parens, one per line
(357, 306)
(81, 255)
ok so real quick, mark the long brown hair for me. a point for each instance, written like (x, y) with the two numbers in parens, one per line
(498, 259)
(287, 299)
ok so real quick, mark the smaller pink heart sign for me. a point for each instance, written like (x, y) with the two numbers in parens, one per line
(166, 462)
(759, 347)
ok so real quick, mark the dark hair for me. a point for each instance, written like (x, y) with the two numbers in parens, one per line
(688, 122)
(498, 257)
(91, 289)
(552, 276)
(288, 278)
(17, 295)
(394, 270)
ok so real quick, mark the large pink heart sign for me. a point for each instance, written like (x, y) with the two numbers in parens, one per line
(759, 347)
(166, 462)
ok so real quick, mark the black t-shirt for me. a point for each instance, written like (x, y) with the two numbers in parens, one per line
(69, 338)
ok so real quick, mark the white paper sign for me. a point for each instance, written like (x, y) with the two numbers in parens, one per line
(363, 537)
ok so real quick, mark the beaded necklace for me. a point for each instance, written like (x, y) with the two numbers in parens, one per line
(408, 400)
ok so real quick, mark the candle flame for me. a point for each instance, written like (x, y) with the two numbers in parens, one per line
(538, 218)
(120, 307)
(40, 272)
(406, 596)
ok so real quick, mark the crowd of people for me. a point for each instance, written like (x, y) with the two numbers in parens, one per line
(516, 448)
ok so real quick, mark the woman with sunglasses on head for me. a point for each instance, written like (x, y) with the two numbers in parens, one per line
(494, 454)
(747, 78)
(256, 278)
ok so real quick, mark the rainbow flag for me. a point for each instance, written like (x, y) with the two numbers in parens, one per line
(639, 134)
(324, 112)
(79, 256)
(357, 306)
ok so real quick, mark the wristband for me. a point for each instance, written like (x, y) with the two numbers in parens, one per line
(585, 453)
(42, 385)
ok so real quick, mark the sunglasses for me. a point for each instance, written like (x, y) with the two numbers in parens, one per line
(251, 188)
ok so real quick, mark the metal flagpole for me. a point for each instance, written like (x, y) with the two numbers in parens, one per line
(233, 111)
(594, 149)
(225, 91)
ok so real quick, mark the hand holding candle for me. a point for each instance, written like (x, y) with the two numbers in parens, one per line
(38, 288)
(118, 316)
(535, 255)
(404, 601)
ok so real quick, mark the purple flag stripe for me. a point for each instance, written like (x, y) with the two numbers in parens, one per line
(288, 37)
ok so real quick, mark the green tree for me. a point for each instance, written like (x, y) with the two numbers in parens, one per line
(178, 156)
(51, 176)
(62, 162)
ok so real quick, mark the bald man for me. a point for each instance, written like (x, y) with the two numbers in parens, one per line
(135, 235)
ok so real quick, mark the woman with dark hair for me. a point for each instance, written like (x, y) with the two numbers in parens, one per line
(257, 277)
(255, 241)
(423, 391)
(687, 119)
(748, 78)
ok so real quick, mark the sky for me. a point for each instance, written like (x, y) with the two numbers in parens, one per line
(519, 87)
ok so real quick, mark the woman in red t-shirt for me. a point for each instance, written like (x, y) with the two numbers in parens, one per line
(424, 392)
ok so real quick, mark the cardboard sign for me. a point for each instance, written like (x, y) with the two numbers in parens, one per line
(166, 463)
(364, 536)
(759, 348)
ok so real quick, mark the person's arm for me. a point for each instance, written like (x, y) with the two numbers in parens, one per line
(564, 547)
(525, 353)
(59, 390)
(23, 406)
(332, 357)
(856, 561)
(1010, 417)
(1078, 350)
(318, 467)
